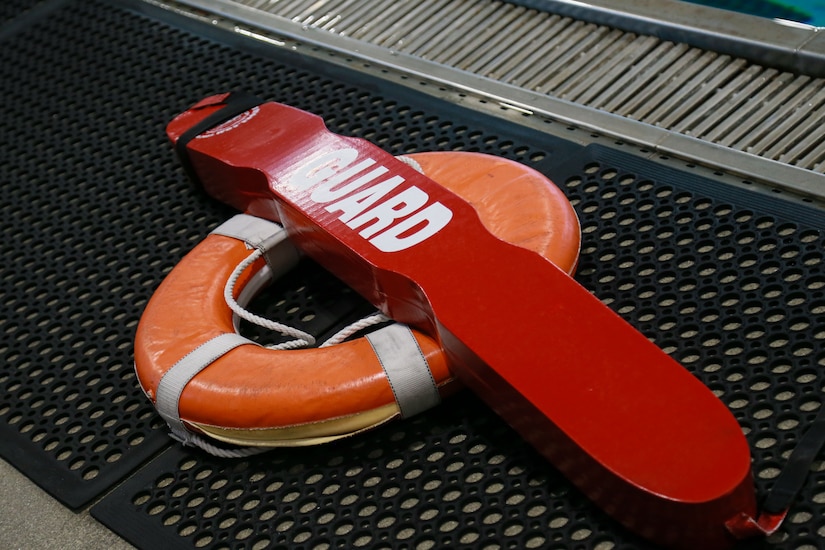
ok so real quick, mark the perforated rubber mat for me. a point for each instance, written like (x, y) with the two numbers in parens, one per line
(13, 9)
(96, 210)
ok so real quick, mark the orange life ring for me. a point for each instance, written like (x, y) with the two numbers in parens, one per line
(205, 378)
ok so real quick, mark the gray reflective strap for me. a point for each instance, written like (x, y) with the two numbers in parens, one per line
(171, 385)
(271, 238)
(249, 229)
(406, 368)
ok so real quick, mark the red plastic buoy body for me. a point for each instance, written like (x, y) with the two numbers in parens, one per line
(627, 424)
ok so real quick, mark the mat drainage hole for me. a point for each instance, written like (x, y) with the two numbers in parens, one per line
(204, 540)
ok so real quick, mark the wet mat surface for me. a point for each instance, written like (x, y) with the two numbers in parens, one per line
(96, 210)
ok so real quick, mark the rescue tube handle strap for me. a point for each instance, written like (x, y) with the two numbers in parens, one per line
(795, 471)
(235, 103)
(785, 489)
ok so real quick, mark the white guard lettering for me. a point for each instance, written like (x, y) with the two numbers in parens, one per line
(401, 205)
(323, 167)
(390, 223)
(433, 218)
(326, 191)
(358, 202)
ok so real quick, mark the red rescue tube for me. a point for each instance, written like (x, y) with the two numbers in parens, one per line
(633, 429)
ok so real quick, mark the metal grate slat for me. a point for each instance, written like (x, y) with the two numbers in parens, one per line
(788, 117)
(708, 115)
(296, 10)
(380, 17)
(796, 142)
(484, 40)
(679, 59)
(515, 53)
(450, 45)
(678, 90)
(815, 156)
(426, 33)
(715, 128)
(560, 31)
(574, 46)
(419, 14)
(580, 81)
(638, 80)
(433, 37)
(713, 76)
(353, 24)
(748, 115)
(770, 110)
(493, 55)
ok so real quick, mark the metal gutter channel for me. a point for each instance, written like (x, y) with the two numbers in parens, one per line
(765, 124)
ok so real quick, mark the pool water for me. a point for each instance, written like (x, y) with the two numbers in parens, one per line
(811, 12)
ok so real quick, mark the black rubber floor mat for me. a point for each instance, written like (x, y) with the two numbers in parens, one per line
(96, 210)
(11, 10)
(454, 477)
